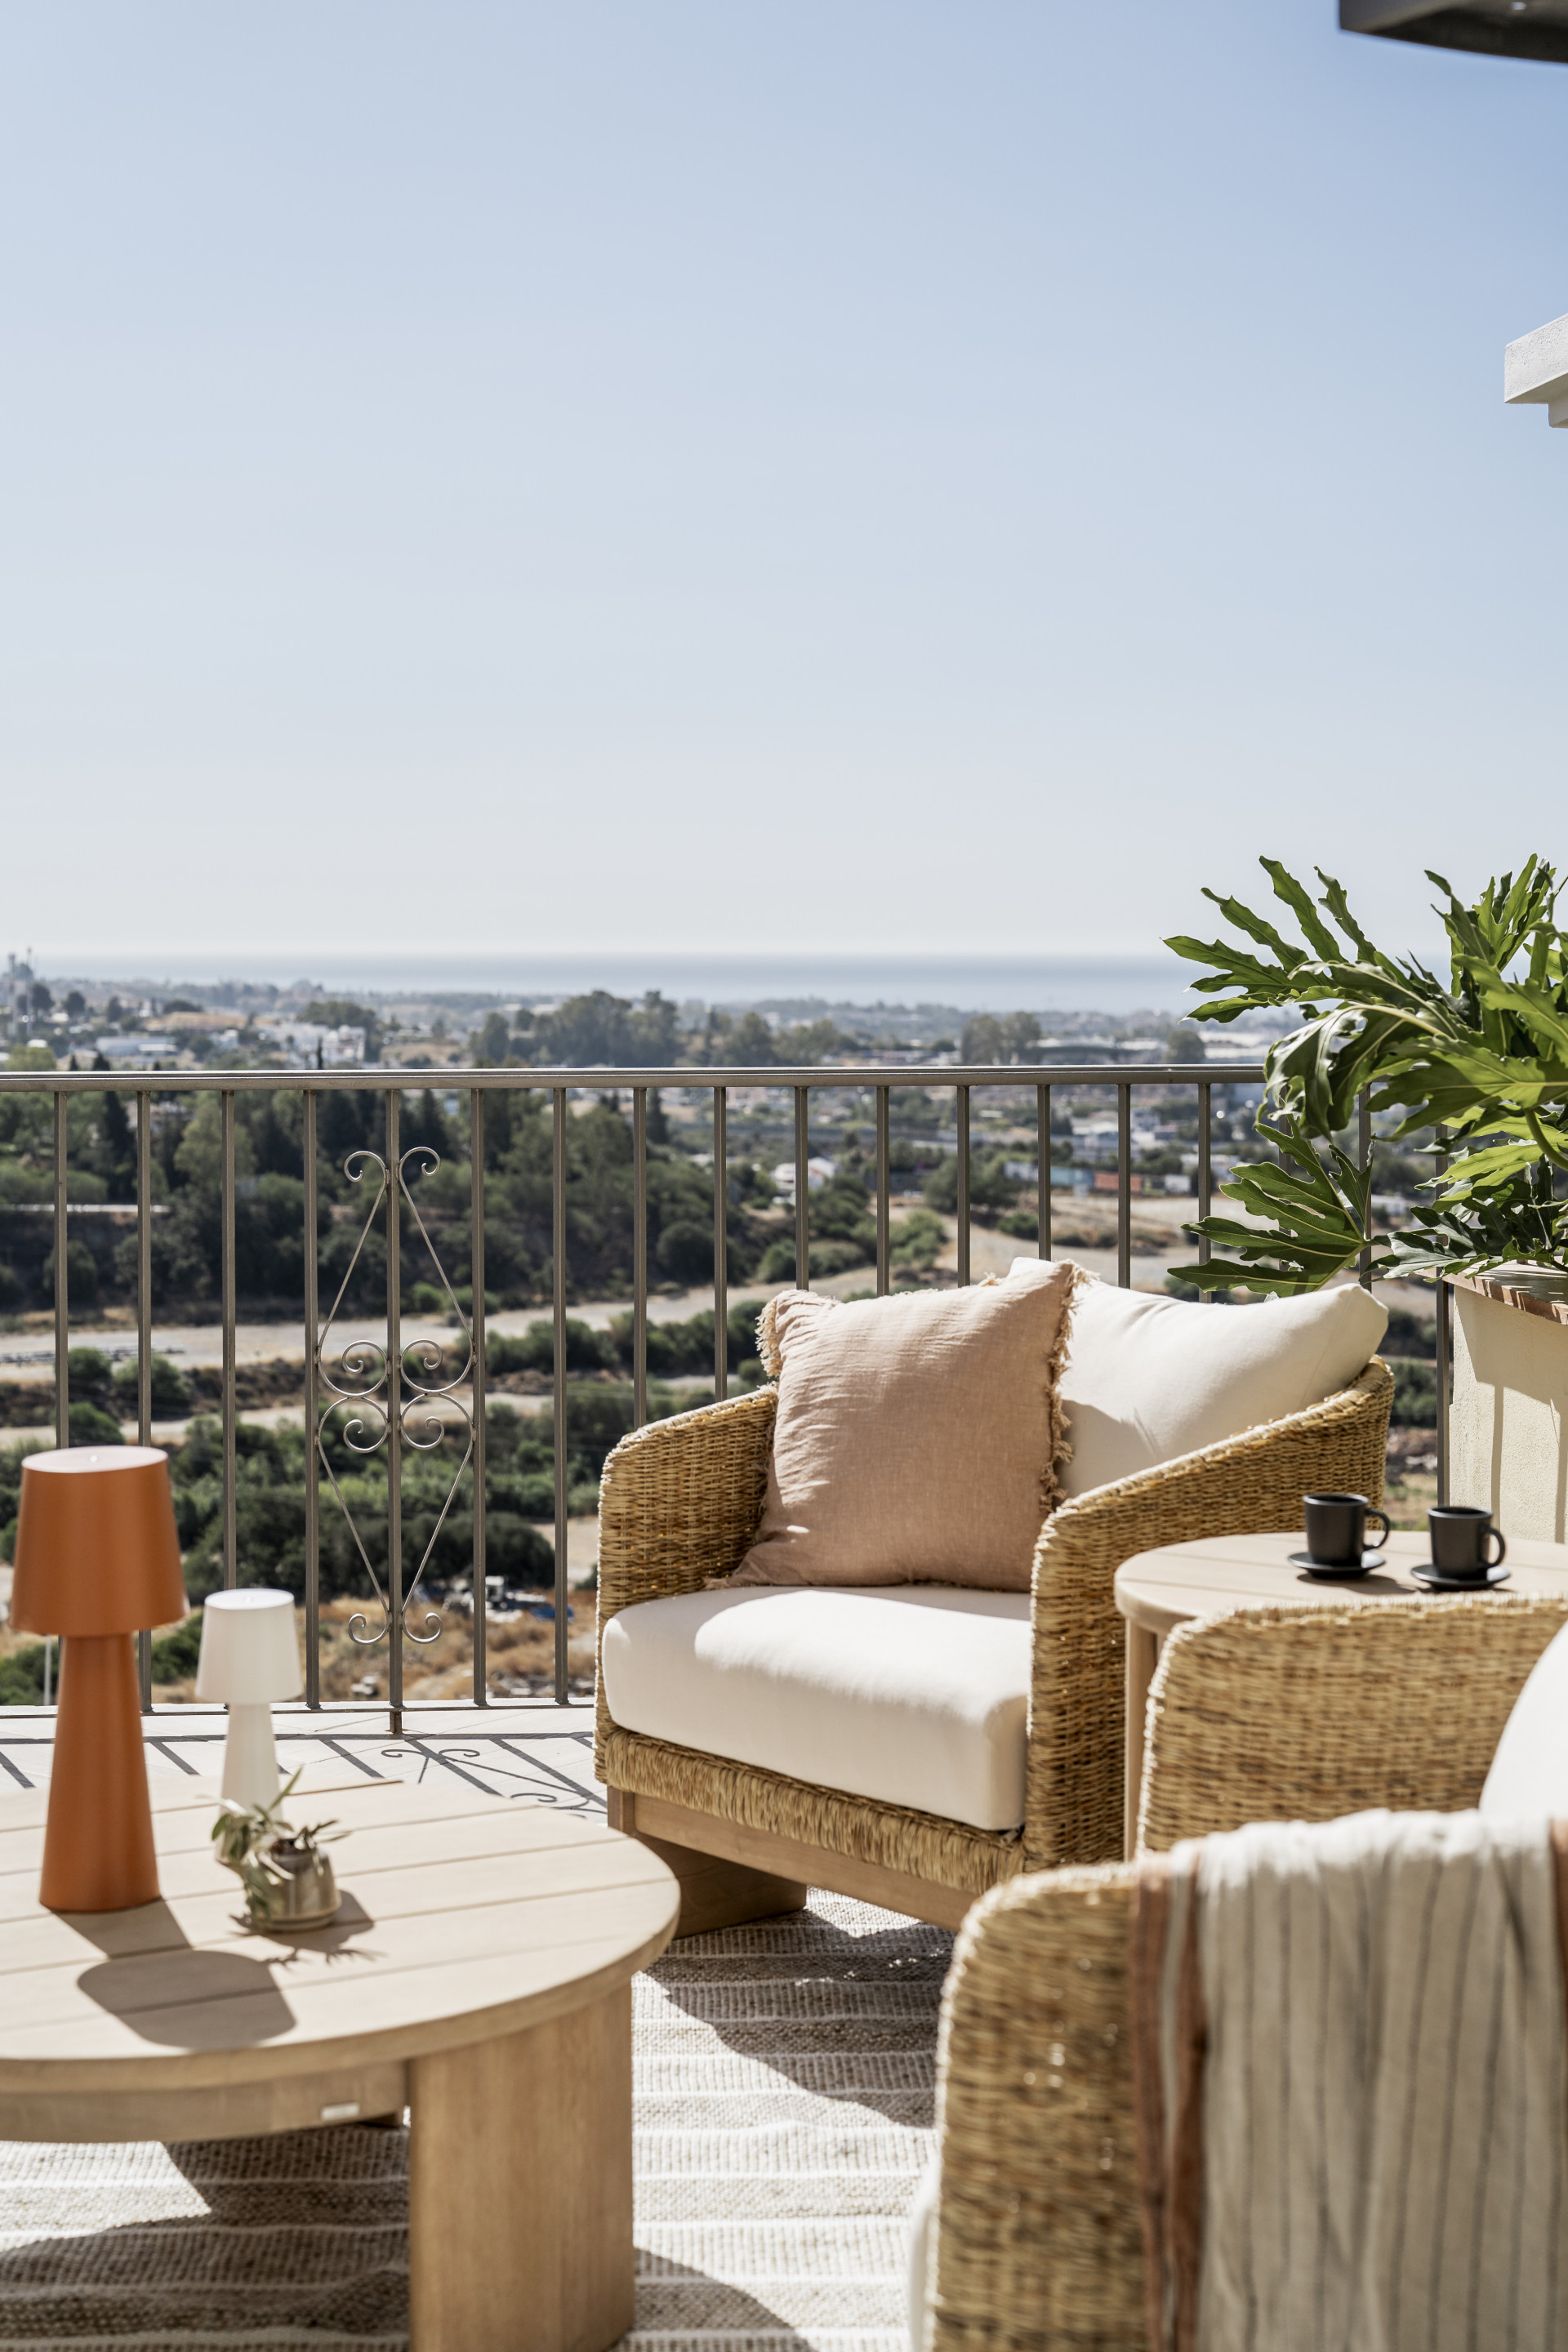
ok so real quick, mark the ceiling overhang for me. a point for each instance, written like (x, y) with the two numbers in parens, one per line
(1536, 29)
(1535, 371)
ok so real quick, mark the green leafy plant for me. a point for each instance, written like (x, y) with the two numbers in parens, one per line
(1483, 1059)
(248, 1837)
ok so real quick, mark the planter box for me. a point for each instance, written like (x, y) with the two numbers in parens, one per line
(1508, 1427)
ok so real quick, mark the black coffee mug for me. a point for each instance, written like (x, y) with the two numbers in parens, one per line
(1461, 1534)
(1336, 1527)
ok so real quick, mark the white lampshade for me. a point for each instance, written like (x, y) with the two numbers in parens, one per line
(249, 1653)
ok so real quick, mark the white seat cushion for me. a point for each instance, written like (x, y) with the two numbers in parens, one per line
(1529, 1771)
(915, 1695)
(1149, 1379)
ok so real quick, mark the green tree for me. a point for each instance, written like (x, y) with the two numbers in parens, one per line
(342, 1013)
(114, 1147)
(990, 1189)
(490, 1048)
(749, 1044)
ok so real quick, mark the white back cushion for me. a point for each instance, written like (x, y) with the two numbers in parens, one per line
(1530, 1771)
(1150, 1377)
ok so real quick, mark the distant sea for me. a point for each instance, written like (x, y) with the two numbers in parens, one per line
(1114, 984)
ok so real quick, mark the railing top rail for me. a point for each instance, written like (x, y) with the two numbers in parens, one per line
(136, 1078)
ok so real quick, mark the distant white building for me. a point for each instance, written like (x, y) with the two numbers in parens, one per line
(308, 1046)
(1096, 1136)
(819, 1173)
(135, 1046)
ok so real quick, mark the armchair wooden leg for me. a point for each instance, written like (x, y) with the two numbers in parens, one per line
(1142, 1657)
(713, 1893)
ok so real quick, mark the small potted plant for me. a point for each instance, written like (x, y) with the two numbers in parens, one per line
(288, 1880)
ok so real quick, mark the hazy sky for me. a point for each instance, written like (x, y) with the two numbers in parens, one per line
(874, 476)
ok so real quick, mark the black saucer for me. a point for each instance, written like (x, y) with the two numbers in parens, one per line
(1436, 1581)
(1369, 1560)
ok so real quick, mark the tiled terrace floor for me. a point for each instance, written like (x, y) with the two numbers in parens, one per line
(533, 1749)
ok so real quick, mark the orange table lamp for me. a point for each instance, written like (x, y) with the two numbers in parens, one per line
(96, 1560)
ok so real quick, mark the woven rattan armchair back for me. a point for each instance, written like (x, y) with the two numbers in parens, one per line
(1300, 1714)
(1297, 1714)
(678, 1506)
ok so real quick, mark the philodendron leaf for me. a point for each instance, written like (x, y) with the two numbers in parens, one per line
(1311, 1222)
(1484, 1060)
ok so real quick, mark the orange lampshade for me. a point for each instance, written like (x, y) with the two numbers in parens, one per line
(95, 1547)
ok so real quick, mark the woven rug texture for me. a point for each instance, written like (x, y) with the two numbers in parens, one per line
(785, 2076)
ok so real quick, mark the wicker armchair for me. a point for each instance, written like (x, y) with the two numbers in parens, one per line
(679, 1503)
(1268, 1714)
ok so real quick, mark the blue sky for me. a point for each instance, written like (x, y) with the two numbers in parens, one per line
(857, 477)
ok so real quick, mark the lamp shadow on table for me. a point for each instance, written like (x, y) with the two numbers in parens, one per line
(170, 1992)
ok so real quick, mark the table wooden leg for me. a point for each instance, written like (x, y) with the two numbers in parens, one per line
(519, 2189)
(1142, 1650)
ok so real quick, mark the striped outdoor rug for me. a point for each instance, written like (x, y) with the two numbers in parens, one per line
(784, 2079)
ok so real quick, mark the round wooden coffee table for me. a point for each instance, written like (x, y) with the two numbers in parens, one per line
(479, 1973)
(1156, 1591)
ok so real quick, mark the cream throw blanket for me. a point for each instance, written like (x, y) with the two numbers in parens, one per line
(1352, 2111)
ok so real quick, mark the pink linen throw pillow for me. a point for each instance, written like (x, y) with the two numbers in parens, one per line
(917, 1436)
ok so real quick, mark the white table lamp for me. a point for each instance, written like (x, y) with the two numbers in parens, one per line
(249, 1657)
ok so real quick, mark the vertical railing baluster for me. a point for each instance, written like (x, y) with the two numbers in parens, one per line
(961, 1115)
(62, 1282)
(476, 1342)
(144, 1338)
(62, 1331)
(312, 1240)
(1444, 1335)
(884, 1192)
(1364, 1122)
(639, 1254)
(1205, 1178)
(558, 1205)
(1124, 1188)
(1043, 1167)
(230, 1440)
(393, 1415)
(801, 1189)
(721, 1241)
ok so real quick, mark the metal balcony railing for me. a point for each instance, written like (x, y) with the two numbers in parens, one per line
(398, 1395)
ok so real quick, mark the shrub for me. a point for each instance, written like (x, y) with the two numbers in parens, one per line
(177, 1654)
(533, 1350)
(915, 1240)
(90, 1373)
(91, 1425)
(81, 1274)
(171, 1389)
(826, 1258)
(1415, 1393)
(22, 1677)
(1408, 1335)
(990, 1189)
(686, 1251)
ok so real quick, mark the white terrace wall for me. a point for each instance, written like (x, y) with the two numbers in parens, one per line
(1507, 1431)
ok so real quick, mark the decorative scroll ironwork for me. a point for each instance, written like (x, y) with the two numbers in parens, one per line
(384, 1389)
